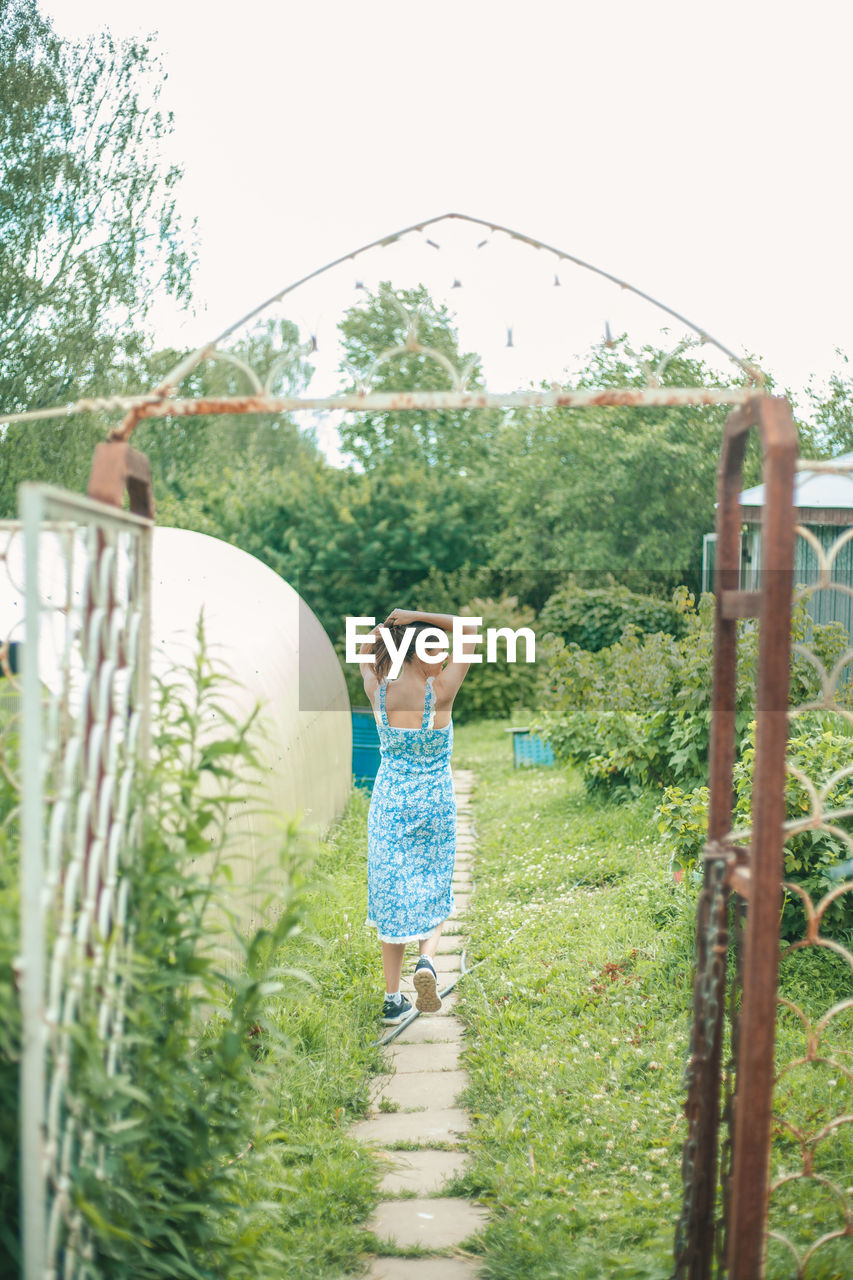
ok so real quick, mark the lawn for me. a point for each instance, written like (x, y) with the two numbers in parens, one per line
(578, 1023)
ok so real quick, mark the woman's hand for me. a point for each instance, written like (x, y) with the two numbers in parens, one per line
(401, 618)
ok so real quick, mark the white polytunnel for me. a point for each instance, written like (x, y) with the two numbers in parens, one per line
(262, 636)
(259, 632)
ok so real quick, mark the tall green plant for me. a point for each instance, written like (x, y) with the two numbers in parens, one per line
(201, 1046)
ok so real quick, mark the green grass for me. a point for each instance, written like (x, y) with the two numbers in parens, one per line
(578, 1029)
(327, 1182)
(578, 1025)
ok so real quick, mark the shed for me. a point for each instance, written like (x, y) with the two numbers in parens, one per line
(824, 506)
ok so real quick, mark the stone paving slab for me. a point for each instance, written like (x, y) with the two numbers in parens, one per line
(425, 1172)
(428, 1030)
(432, 1224)
(386, 1129)
(422, 1269)
(422, 1089)
(415, 1057)
(425, 1081)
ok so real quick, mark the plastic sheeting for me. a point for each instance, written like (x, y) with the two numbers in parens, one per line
(260, 633)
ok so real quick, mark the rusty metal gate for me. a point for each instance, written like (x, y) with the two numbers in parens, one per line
(749, 1145)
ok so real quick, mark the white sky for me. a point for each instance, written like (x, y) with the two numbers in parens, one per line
(702, 152)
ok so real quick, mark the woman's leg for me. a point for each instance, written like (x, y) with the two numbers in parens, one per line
(392, 963)
(429, 945)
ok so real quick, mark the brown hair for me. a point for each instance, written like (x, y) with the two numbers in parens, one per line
(382, 664)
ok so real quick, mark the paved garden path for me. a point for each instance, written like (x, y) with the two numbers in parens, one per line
(414, 1119)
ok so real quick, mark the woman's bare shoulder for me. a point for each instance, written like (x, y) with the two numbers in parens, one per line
(370, 681)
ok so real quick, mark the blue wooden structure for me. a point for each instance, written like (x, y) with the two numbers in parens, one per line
(365, 747)
(528, 749)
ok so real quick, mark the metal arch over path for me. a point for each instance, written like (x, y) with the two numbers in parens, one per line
(162, 401)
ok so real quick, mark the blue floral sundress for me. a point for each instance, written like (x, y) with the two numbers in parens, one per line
(411, 827)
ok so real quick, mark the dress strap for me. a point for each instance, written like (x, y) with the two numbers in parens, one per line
(429, 710)
(383, 714)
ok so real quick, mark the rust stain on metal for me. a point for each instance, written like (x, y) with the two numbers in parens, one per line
(426, 401)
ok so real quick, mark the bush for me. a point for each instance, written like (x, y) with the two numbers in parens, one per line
(597, 618)
(495, 690)
(815, 859)
(638, 713)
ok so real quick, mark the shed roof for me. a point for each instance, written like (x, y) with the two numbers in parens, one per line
(815, 490)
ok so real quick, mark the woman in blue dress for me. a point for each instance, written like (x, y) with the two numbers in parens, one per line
(411, 825)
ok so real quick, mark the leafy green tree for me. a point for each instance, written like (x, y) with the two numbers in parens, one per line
(832, 412)
(194, 460)
(620, 491)
(89, 233)
(454, 441)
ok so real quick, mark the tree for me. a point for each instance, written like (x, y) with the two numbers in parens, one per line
(453, 441)
(89, 233)
(832, 411)
(193, 458)
(620, 491)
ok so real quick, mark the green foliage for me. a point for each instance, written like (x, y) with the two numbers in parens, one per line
(194, 1069)
(493, 690)
(620, 491)
(193, 1073)
(832, 411)
(202, 465)
(89, 233)
(816, 859)
(595, 618)
(637, 714)
(578, 1023)
(10, 1013)
(448, 440)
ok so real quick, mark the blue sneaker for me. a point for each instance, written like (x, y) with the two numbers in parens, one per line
(426, 985)
(394, 1011)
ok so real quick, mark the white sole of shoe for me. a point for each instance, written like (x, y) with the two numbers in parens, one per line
(396, 1019)
(428, 1001)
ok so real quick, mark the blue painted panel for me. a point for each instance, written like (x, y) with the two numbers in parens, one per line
(366, 756)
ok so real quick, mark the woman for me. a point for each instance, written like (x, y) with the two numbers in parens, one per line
(411, 825)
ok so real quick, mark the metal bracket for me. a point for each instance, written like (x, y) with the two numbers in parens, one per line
(117, 469)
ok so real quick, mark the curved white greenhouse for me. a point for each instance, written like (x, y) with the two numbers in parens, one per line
(260, 632)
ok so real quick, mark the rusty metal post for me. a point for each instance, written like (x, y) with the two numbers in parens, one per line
(695, 1243)
(117, 469)
(755, 1065)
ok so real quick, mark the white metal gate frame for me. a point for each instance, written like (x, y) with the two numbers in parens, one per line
(85, 728)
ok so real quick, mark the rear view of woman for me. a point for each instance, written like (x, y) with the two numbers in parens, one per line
(411, 825)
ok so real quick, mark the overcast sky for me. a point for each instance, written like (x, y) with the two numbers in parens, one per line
(702, 152)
